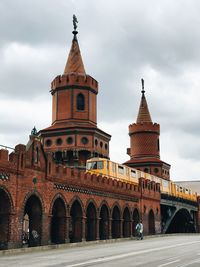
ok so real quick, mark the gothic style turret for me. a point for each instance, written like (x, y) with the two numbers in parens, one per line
(73, 136)
(144, 148)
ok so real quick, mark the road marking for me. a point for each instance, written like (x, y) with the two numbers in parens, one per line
(121, 256)
(168, 263)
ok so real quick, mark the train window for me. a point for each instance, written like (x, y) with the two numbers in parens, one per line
(120, 169)
(165, 183)
(113, 167)
(133, 173)
(95, 165)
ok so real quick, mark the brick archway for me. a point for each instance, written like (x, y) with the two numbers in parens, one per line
(136, 219)
(58, 222)
(126, 223)
(151, 221)
(76, 213)
(104, 222)
(116, 222)
(91, 222)
(5, 210)
(33, 216)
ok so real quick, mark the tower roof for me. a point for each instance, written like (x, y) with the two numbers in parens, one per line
(143, 114)
(74, 61)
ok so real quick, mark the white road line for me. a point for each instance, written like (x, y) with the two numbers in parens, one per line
(168, 263)
(121, 256)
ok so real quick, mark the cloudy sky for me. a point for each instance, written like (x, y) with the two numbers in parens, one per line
(121, 42)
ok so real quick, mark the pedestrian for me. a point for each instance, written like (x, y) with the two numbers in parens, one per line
(139, 230)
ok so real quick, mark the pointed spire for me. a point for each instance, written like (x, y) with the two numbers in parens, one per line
(74, 61)
(143, 114)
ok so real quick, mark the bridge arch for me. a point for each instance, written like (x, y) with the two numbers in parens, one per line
(5, 210)
(32, 220)
(116, 222)
(126, 222)
(151, 221)
(104, 222)
(136, 219)
(182, 222)
(76, 213)
(91, 222)
(58, 221)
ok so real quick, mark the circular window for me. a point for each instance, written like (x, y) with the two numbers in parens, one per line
(96, 142)
(69, 140)
(146, 170)
(59, 141)
(156, 170)
(48, 142)
(101, 144)
(84, 140)
(106, 146)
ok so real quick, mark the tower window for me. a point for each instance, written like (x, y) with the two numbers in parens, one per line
(80, 102)
(70, 140)
(84, 140)
(58, 141)
(158, 145)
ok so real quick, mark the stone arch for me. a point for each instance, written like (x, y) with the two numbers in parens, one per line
(58, 221)
(75, 227)
(135, 219)
(58, 195)
(116, 221)
(104, 221)
(182, 222)
(91, 221)
(77, 198)
(32, 219)
(126, 222)
(6, 206)
(151, 222)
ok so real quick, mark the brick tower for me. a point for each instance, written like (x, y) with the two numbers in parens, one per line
(73, 136)
(144, 148)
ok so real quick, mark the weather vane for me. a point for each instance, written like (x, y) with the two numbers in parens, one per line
(142, 80)
(75, 21)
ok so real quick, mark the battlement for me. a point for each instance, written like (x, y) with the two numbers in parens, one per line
(73, 176)
(4, 153)
(144, 127)
(74, 79)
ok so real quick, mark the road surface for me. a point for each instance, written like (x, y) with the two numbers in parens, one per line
(167, 251)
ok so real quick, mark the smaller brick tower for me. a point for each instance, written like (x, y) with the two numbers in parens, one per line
(73, 136)
(144, 148)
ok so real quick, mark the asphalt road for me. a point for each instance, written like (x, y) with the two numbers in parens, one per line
(169, 251)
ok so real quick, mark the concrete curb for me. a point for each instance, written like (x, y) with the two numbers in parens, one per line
(79, 244)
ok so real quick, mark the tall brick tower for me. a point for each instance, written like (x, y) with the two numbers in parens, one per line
(144, 148)
(73, 136)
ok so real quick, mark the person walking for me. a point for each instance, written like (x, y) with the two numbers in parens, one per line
(139, 230)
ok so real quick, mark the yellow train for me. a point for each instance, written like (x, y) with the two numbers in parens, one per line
(121, 172)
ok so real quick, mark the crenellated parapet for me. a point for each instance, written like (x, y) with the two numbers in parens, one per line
(144, 127)
(73, 80)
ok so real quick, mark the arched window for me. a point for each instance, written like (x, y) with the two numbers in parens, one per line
(80, 102)
(36, 155)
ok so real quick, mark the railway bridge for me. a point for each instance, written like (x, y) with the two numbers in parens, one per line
(178, 215)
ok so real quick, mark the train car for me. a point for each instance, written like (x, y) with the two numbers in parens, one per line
(123, 173)
(112, 169)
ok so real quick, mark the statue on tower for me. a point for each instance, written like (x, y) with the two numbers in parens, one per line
(142, 80)
(75, 21)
